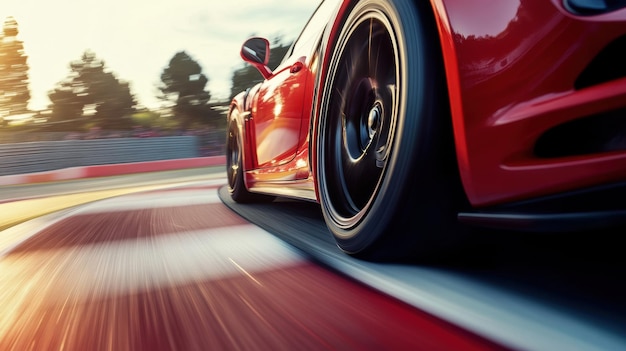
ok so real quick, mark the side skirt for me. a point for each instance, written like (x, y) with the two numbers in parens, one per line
(599, 207)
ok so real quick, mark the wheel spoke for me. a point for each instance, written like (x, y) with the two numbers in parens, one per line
(362, 117)
(385, 137)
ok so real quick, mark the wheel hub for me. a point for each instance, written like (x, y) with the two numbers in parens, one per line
(373, 119)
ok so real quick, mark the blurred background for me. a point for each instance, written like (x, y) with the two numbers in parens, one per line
(95, 82)
(167, 261)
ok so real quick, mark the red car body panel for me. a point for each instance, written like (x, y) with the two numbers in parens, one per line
(511, 81)
(511, 67)
(277, 116)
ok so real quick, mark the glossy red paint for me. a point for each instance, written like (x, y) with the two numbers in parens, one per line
(277, 115)
(282, 110)
(510, 69)
(511, 81)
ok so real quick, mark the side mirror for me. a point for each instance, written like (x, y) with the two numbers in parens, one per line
(256, 51)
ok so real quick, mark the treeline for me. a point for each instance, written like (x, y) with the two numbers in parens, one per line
(92, 96)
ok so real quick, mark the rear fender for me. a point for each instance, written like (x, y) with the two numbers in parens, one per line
(241, 114)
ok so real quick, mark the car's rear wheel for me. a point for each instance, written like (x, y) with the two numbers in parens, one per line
(386, 168)
(234, 168)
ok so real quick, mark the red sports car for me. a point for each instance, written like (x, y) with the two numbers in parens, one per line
(410, 121)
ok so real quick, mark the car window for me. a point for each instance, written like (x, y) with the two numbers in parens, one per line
(313, 29)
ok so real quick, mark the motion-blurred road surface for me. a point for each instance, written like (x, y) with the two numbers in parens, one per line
(173, 268)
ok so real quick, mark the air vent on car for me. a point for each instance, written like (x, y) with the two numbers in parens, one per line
(608, 65)
(594, 134)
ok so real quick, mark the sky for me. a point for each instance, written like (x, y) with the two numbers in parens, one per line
(137, 38)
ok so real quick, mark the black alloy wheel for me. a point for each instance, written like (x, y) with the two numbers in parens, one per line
(386, 165)
(234, 167)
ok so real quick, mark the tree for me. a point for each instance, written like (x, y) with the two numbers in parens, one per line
(67, 107)
(92, 92)
(183, 84)
(14, 92)
(247, 76)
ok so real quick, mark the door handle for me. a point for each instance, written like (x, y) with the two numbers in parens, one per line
(296, 67)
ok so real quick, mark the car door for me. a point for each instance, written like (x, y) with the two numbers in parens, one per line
(280, 108)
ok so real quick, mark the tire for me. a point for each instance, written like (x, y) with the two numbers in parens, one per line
(386, 171)
(234, 167)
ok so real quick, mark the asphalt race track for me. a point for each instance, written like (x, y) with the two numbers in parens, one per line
(172, 268)
(558, 292)
(171, 263)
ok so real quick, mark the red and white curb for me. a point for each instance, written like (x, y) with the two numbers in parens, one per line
(176, 269)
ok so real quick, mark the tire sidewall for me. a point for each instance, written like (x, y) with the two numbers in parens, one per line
(410, 142)
(234, 185)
